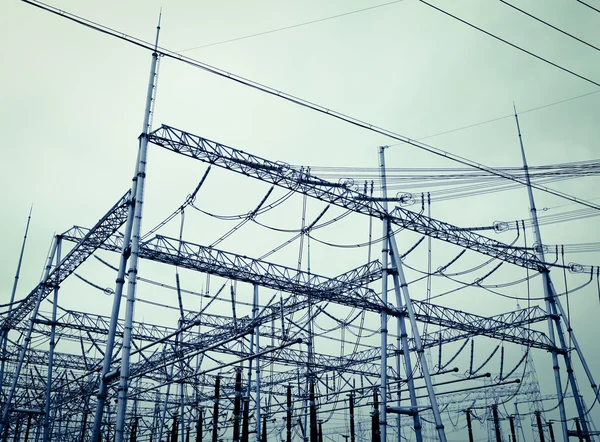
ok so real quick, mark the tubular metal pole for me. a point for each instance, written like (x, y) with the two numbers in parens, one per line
(288, 417)
(83, 425)
(439, 425)
(497, 423)
(384, 297)
(199, 426)
(135, 246)
(551, 430)
(237, 405)
(164, 410)
(351, 404)
(215, 425)
(25, 346)
(51, 352)
(403, 336)
(469, 425)
(112, 329)
(257, 363)
(182, 397)
(4, 333)
(245, 419)
(28, 428)
(513, 433)
(538, 420)
(313, 413)
(550, 300)
(376, 428)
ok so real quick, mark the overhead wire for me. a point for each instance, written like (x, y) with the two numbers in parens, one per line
(549, 25)
(290, 27)
(588, 5)
(299, 101)
(545, 60)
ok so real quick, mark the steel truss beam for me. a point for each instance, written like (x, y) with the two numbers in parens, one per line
(88, 244)
(300, 181)
(342, 289)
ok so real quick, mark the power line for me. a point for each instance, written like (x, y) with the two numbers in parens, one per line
(550, 25)
(589, 6)
(291, 26)
(511, 44)
(302, 102)
(543, 106)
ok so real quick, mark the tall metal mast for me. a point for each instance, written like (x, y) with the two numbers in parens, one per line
(553, 314)
(401, 290)
(131, 241)
(4, 335)
(384, 298)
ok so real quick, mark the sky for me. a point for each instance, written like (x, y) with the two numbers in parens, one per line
(72, 105)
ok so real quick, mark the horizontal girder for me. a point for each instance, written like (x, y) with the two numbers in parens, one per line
(342, 195)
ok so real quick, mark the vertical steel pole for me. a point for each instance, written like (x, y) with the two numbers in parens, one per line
(384, 297)
(83, 425)
(313, 412)
(237, 405)
(469, 425)
(163, 419)
(513, 433)
(351, 406)
(4, 333)
(376, 425)
(245, 419)
(553, 317)
(135, 246)
(497, 423)
(26, 342)
(257, 362)
(52, 347)
(403, 337)
(401, 285)
(551, 430)
(215, 425)
(182, 399)
(28, 428)
(538, 420)
(199, 426)
(288, 417)
(439, 425)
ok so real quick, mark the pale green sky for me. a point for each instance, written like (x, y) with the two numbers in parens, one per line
(71, 108)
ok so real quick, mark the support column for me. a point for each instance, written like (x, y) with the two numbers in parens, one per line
(513, 433)
(469, 425)
(538, 420)
(215, 425)
(497, 423)
(313, 413)
(439, 426)
(52, 347)
(199, 425)
(288, 417)
(553, 316)
(257, 362)
(237, 405)
(131, 240)
(351, 406)
(25, 346)
(4, 332)
(382, 412)
(375, 427)
(245, 419)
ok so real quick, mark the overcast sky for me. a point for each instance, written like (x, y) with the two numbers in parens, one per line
(71, 108)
